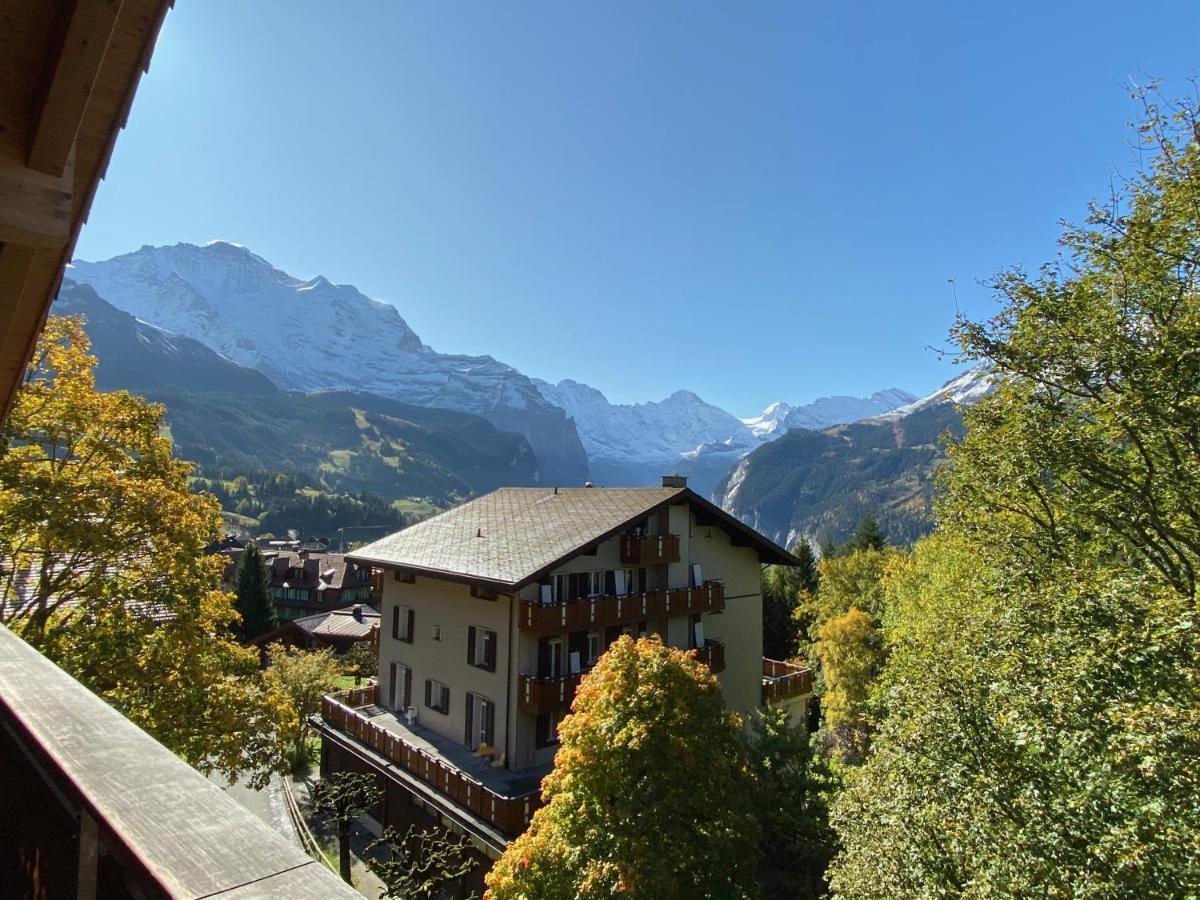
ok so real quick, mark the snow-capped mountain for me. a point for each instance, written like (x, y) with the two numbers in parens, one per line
(315, 335)
(770, 420)
(961, 390)
(826, 411)
(640, 432)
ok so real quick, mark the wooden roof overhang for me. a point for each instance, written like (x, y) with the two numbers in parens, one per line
(68, 73)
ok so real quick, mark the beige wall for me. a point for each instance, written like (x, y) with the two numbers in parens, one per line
(451, 606)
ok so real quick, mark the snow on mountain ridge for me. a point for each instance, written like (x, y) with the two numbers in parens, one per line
(311, 335)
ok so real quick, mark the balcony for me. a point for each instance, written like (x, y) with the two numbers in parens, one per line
(781, 680)
(543, 695)
(712, 654)
(473, 786)
(649, 551)
(591, 613)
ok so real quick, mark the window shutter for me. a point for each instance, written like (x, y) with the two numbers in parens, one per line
(407, 686)
(543, 730)
(489, 650)
(445, 699)
(411, 622)
(429, 692)
(471, 645)
(544, 657)
(395, 623)
(470, 700)
(610, 582)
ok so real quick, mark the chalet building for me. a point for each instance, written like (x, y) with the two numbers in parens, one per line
(494, 611)
(309, 582)
(339, 630)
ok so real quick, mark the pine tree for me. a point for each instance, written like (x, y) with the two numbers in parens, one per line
(253, 597)
(867, 537)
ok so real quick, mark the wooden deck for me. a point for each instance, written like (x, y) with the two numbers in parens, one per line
(152, 825)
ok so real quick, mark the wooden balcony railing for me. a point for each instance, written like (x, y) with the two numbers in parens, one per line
(509, 814)
(782, 680)
(600, 612)
(648, 551)
(712, 654)
(542, 695)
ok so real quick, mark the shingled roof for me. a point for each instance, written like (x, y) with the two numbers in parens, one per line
(510, 537)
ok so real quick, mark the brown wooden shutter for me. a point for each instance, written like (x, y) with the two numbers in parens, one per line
(407, 686)
(471, 645)
(395, 623)
(470, 717)
(429, 692)
(411, 625)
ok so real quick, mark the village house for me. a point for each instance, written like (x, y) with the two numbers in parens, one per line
(338, 629)
(310, 581)
(494, 611)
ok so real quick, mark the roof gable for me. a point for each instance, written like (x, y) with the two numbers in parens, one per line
(511, 536)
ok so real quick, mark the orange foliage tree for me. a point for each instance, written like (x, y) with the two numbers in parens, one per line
(649, 796)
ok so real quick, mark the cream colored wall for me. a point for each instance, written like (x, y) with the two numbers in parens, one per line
(740, 624)
(451, 606)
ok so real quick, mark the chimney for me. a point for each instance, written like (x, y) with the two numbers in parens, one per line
(357, 612)
(674, 481)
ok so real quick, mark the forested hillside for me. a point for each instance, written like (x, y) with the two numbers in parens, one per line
(820, 484)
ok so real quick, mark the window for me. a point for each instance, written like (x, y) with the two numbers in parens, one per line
(552, 664)
(593, 648)
(480, 721)
(596, 588)
(481, 648)
(547, 728)
(696, 632)
(400, 687)
(631, 581)
(437, 632)
(562, 588)
(402, 624)
(437, 696)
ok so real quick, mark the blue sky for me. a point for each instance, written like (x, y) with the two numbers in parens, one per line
(754, 201)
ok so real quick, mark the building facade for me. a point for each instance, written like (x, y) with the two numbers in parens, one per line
(493, 612)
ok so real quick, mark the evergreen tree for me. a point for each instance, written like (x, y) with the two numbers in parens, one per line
(253, 601)
(782, 590)
(867, 536)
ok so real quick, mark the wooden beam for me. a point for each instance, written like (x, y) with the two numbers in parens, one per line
(75, 71)
(35, 208)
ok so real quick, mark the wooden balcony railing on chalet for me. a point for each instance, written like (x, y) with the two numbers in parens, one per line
(542, 695)
(600, 612)
(648, 551)
(712, 654)
(782, 680)
(509, 814)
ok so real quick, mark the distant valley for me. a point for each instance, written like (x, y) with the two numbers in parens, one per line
(286, 380)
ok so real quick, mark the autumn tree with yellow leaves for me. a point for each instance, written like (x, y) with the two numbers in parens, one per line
(102, 569)
(649, 796)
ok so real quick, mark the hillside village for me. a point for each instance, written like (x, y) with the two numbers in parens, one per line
(294, 605)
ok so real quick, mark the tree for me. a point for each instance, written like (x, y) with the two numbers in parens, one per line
(341, 797)
(421, 862)
(867, 536)
(1039, 711)
(253, 596)
(649, 794)
(300, 678)
(361, 661)
(101, 565)
(782, 589)
(792, 787)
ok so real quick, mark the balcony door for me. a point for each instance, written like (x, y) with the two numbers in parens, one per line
(400, 687)
(481, 722)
